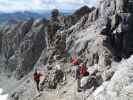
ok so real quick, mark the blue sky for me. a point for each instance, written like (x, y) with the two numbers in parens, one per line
(35, 5)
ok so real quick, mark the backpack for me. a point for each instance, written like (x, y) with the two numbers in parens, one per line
(83, 70)
(74, 61)
(37, 76)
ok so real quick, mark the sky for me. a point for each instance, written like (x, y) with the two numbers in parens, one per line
(35, 5)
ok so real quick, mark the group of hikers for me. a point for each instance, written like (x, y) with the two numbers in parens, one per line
(80, 70)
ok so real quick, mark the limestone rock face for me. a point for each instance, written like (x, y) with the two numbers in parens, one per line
(30, 49)
(83, 10)
(99, 37)
(110, 41)
(118, 13)
(22, 45)
(120, 85)
(112, 22)
(57, 32)
(72, 19)
(12, 39)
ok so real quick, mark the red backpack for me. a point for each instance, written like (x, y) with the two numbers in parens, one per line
(37, 76)
(74, 61)
(83, 70)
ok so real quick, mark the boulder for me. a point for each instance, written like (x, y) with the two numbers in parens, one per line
(54, 78)
(107, 75)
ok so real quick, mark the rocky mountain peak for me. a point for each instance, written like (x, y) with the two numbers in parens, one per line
(83, 10)
(99, 37)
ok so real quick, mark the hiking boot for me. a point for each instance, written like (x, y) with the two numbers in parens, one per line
(79, 90)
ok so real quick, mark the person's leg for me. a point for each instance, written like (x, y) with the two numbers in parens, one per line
(37, 84)
(78, 85)
(75, 72)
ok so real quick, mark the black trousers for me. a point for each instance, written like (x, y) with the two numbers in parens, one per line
(37, 85)
(78, 83)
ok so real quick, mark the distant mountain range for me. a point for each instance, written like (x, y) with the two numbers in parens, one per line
(10, 18)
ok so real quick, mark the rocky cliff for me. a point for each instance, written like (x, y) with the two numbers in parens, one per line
(25, 44)
(19, 45)
(100, 37)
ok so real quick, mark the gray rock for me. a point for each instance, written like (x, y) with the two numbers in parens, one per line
(30, 50)
(107, 75)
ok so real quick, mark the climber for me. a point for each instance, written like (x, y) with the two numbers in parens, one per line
(74, 61)
(82, 73)
(75, 65)
(37, 75)
(83, 70)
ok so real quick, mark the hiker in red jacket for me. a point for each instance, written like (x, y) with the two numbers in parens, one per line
(74, 61)
(83, 70)
(37, 76)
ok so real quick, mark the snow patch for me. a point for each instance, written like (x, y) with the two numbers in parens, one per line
(3, 96)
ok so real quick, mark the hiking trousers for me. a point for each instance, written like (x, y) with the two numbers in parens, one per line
(37, 85)
(78, 83)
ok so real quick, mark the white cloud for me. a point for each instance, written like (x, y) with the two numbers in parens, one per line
(37, 2)
(14, 6)
(69, 1)
(21, 5)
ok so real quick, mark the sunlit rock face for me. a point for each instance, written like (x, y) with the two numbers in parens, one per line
(22, 45)
(119, 21)
(120, 86)
(101, 37)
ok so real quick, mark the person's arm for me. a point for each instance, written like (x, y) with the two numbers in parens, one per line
(40, 74)
(93, 77)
